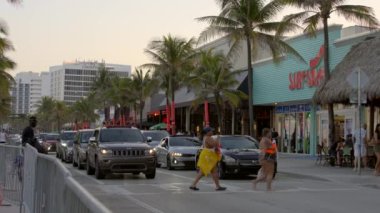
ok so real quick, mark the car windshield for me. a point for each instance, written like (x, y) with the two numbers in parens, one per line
(66, 136)
(156, 136)
(121, 135)
(51, 137)
(85, 136)
(174, 141)
(238, 143)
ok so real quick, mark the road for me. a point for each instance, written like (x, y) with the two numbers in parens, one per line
(169, 192)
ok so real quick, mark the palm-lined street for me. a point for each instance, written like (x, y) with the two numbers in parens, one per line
(283, 73)
(301, 186)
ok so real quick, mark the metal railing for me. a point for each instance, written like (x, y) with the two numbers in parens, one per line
(41, 184)
(11, 172)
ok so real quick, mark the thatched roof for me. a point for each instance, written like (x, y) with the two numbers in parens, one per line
(366, 56)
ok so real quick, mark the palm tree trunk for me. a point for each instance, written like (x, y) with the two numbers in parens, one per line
(206, 114)
(219, 111)
(167, 114)
(141, 112)
(371, 119)
(116, 115)
(173, 111)
(327, 77)
(250, 87)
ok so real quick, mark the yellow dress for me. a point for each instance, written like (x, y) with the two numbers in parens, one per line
(207, 161)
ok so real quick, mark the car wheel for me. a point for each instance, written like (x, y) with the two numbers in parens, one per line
(98, 172)
(80, 165)
(169, 164)
(221, 171)
(90, 171)
(74, 162)
(151, 175)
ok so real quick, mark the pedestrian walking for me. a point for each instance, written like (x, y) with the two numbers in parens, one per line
(267, 159)
(208, 160)
(360, 150)
(376, 149)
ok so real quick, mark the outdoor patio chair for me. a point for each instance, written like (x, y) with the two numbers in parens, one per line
(347, 158)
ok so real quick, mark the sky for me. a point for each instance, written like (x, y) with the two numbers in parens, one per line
(49, 32)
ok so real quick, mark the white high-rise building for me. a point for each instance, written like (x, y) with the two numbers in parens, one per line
(26, 93)
(72, 81)
(28, 90)
(45, 84)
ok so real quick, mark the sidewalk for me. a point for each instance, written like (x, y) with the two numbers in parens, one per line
(9, 208)
(304, 166)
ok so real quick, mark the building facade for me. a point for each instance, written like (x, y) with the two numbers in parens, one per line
(284, 91)
(26, 93)
(72, 81)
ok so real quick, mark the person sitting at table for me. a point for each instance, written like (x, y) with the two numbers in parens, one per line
(339, 151)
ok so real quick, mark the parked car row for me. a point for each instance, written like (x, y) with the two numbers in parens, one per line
(104, 151)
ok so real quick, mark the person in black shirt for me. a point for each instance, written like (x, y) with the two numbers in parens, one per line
(28, 136)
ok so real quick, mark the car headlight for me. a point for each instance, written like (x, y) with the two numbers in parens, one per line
(176, 154)
(64, 144)
(228, 159)
(105, 151)
(150, 152)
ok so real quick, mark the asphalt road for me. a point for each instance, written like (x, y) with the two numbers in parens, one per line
(169, 192)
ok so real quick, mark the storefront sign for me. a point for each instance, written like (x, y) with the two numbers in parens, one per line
(293, 108)
(312, 77)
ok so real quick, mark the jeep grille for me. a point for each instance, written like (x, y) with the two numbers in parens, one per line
(129, 152)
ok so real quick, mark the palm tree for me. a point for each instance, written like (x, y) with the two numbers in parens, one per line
(319, 11)
(172, 57)
(45, 109)
(121, 95)
(213, 76)
(145, 85)
(100, 89)
(6, 80)
(249, 21)
(60, 112)
(83, 111)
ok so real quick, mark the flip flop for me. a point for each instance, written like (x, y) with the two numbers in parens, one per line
(221, 189)
(193, 188)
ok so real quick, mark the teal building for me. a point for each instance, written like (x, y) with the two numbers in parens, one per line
(283, 91)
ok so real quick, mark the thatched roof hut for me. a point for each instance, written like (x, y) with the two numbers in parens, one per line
(366, 56)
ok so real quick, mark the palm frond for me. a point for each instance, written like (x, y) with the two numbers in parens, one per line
(312, 24)
(363, 14)
(270, 10)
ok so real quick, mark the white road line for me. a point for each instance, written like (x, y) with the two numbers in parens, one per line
(144, 205)
(229, 187)
(175, 175)
(85, 175)
(128, 195)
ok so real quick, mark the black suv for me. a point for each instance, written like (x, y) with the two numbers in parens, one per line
(120, 150)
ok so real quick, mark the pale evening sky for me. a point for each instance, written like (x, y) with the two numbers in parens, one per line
(48, 32)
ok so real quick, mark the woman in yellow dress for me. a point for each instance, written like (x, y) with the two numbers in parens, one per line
(208, 160)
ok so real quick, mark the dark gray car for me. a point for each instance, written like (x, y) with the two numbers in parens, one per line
(154, 137)
(65, 146)
(80, 147)
(177, 151)
(120, 150)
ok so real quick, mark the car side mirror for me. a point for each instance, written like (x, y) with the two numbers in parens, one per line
(149, 139)
(92, 140)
